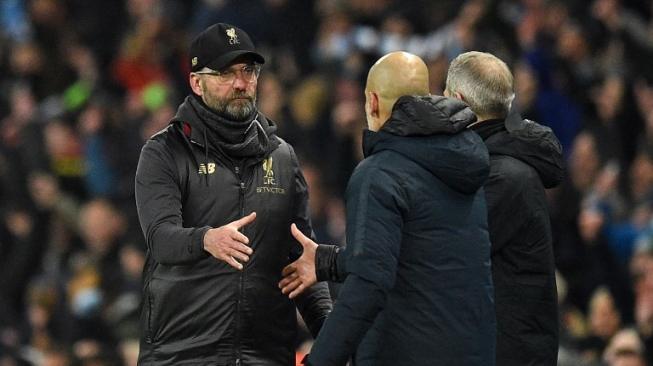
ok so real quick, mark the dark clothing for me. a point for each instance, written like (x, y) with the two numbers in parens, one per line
(419, 287)
(197, 310)
(20, 258)
(525, 158)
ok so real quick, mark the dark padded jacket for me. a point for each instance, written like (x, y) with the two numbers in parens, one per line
(197, 310)
(525, 158)
(419, 287)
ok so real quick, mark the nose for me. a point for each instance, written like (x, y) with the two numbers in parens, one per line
(239, 82)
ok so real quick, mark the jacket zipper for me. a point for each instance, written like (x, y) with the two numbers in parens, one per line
(241, 280)
(241, 199)
(150, 336)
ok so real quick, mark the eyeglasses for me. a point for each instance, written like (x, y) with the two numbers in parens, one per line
(248, 73)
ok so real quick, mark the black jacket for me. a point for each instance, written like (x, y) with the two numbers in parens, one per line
(525, 158)
(419, 287)
(198, 310)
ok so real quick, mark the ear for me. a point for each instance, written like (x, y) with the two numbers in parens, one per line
(194, 81)
(374, 104)
(456, 95)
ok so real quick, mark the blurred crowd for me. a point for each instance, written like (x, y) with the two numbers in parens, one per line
(83, 83)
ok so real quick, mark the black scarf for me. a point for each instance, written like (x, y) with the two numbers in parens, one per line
(237, 139)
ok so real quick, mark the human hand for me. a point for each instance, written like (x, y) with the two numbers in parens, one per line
(228, 244)
(300, 274)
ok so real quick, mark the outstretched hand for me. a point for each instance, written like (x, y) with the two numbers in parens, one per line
(228, 244)
(300, 274)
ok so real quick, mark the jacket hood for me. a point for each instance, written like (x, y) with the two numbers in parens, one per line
(432, 132)
(532, 143)
(428, 115)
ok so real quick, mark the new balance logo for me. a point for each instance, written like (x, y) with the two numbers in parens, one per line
(206, 168)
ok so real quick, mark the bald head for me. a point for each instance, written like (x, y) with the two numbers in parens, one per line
(391, 77)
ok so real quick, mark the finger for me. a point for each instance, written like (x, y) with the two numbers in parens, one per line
(239, 237)
(301, 238)
(297, 291)
(291, 286)
(244, 220)
(287, 270)
(233, 262)
(239, 256)
(287, 279)
(240, 247)
(284, 282)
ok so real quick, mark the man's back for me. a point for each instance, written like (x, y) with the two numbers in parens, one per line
(440, 306)
(523, 270)
(525, 159)
(418, 250)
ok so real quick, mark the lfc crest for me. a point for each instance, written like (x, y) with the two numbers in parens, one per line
(268, 178)
(233, 37)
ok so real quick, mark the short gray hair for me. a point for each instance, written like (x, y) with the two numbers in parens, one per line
(484, 81)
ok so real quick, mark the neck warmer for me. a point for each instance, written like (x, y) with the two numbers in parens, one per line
(238, 139)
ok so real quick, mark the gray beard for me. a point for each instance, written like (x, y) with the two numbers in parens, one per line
(233, 111)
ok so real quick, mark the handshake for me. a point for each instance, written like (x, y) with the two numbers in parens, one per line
(227, 243)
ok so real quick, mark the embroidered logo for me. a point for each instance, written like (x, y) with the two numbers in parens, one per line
(193, 62)
(206, 168)
(233, 38)
(268, 178)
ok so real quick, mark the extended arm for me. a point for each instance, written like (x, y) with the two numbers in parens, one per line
(159, 204)
(375, 209)
(158, 200)
(318, 262)
(315, 303)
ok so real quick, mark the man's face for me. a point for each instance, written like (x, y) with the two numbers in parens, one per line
(232, 95)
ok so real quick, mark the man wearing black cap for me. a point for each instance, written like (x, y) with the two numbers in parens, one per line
(216, 192)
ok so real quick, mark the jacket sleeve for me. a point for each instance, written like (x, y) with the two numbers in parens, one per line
(329, 264)
(376, 206)
(159, 205)
(315, 303)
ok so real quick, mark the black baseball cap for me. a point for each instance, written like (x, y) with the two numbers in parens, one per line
(218, 45)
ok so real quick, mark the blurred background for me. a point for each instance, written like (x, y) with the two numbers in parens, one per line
(83, 83)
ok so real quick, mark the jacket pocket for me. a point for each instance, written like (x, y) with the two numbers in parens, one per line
(159, 315)
(146, 315)
(188, 311)
(149, 306)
